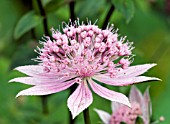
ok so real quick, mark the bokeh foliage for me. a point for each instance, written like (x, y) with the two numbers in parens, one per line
(145, 22)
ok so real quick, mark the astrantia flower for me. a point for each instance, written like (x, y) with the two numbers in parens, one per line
(140, 107)
(81, 54)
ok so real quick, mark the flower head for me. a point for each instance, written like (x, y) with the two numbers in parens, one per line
(82, 54)
(140, 107)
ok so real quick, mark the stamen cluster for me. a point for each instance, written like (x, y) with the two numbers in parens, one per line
(126, 114)
(85, 50)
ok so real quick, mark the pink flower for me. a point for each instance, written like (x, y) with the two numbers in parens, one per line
(140, 106)
(83, 54)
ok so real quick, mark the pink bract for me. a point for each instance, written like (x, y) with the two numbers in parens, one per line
(82, 54)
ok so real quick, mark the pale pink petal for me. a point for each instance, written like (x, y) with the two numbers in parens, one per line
(147, 107)
(38, 71)
(26, 80)
(104, 116)
(134, 71)
(38, 81)
(115, 106)
(122, 81)
(80, 99)
(109, 94)
(46, 89)
(147, 100)
(30, 70)
(136, 96)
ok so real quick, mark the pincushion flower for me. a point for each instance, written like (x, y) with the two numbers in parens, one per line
(82, 54)
(140, 107)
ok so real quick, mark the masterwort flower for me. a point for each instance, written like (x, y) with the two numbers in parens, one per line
(140, 107)
(83, 54)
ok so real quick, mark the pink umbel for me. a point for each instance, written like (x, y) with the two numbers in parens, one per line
(140, 107)
(82, 54)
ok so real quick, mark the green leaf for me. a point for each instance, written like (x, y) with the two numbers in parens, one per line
(45, 2)
(24, 54)
(26, 23)
(92, 11)
(54, 5)
(126, 7)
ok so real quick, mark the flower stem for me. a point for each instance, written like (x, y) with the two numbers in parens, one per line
(71, 8)
(44, 104)
(112, 8)
(43, 14)
(72, 88)
(86, 116)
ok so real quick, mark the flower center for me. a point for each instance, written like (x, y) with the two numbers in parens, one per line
(86, 71)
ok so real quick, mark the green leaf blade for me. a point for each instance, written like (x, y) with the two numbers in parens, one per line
(26, 23)
(126, 7)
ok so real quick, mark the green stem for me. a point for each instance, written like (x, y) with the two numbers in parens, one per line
(112, 8)
(71, 8)
(44, 104)
(86, 116)
(43, 14)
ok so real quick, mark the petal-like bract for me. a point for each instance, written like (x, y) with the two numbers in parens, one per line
(104, 116)
(123, 81)
(108, 94)
(135, 95)
(31, 70)
(115, 106)
(39, 81)
(135, 70)
(80, 99)
(46, 88)
(147, 107)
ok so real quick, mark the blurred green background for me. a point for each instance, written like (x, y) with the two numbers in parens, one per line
(145, 22)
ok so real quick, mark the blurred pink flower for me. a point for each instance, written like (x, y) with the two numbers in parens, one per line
(140, 106)
(83, 54)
